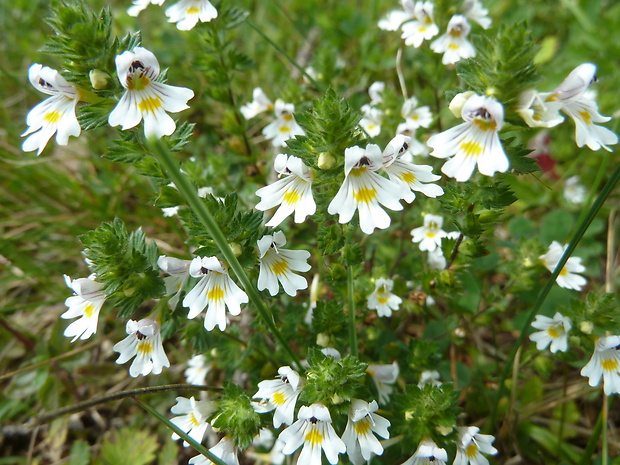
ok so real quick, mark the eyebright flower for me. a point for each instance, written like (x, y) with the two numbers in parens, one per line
(422, 27)
(537, 111)
(284, 127)
(429, 236)
(415, 146)
(428, 454)
(416, 117)
(383, 376)
(473, 10)
(436, 259)
(605, 362)
(277, 265)
(429, 377)
(179, 275)
(454, 44)
(314, 430)
(375, 91)
(567, 277)
(364, 189)
(197, 370)
(139, 5)
(86, 304)
(143, 342)
(280, 394)
(225, 450)
(553, 331)
(55, 115)
(293, 192)
(471, 445)
(395, 18)
(358, 435)
(474, 142)
(382, 300)
(215, 290)
(193, 417)
(186, 13)
(145, 98)
(371, 122)
(260, 104)
(574, 191)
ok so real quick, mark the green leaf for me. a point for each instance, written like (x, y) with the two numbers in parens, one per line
(236, 416)
(129, 447)
(80, 453)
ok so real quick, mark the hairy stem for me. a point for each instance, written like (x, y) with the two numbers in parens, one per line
(351, 305)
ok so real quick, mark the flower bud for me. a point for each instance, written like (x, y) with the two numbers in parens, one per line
(456, 105)
(98, 79)
(326, 161)
(586, 327)
(236, 248)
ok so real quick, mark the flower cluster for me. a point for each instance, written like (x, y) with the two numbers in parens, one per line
(185, 13)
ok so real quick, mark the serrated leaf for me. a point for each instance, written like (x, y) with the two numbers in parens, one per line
(129, 447)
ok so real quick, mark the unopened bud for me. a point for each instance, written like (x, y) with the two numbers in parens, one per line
(456, 105)
(236, 248)
(586, 327)
(322, 340)
(98, 79)
(444, 430)
(326, 161)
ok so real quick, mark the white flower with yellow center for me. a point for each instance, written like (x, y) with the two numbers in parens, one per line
(145, 98)
(259, 104)
(55, 115)
(187, 13)
(372, 120)
(358, 435)
(314, 430)
(179, 275)
(279, 394)
(365, 190)
(568, 277)
(86, 304)
(143, 342)
(422, 27)
(395, 18)
(429, 236)
(415, 117)
(382, 300)
(277, 265)
(474, 142)
(605, 363)
(473, 10)
(139, 5)
(472, 445)
(428, 453)
(284, 127)
(293, 192)
(225, 450)
(216, 291)
(197, 370)
(538, 111)
(192, 417)
(553, 331)
(384, 376)
(454, 44)
(574, 191)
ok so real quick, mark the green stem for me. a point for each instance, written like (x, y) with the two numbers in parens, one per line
(583, 226)
(161, 151)
(586, 458)
(199, 447)
(604, 415)
(351, 305)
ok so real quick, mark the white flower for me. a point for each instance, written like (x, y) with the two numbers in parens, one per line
(393, 19)
(384, 376)
(139, 5)
(280, 394)
(471, 445)
(186, 13)
(170, 211)
(474, 142)
(293, 192)
(193, 417)
(86, 304)
(382, 300)
(429, 236)
(436, 259)
(375, 91)
(197, 370)
(574, 191)
(473, 10)
(429, 377)
(422, 27)
(225, 450)
(364, 189)
(55, 115)
(284, 127)
(554, 331)
(428, 454)
(358, 435)
(416, 117)
(454, 44)
(371, 122)
(411, 177)
(537, 111)
(215, 290)
(259, 104)
(179, 275)
(567, 277)
(605, 362)
(314, 430)
(145, 98)
(277, 265)
(144, 341)
(415, 146)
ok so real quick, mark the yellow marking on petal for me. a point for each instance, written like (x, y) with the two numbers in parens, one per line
(291, 197)
(137, 82)
(149, 104)
(408, 177)
(453, 46)
(485, 125)
(553, 332)
(287, 117)
(192, 419)
(371, 127)
(359, 171)
(430, 234)
(609, 364)
(362, 427)
(284, 129)
(314, 437)
(278, 398)
(552, 98)
(471, 450)
(382, 300)
(215, 294)
(564, 272)
(89, 310)
(145, 347)
(423, 29)
(192, 10)
(52, 117)
(365, 194)
(279, 267)
(585, 116)
(471, 148)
